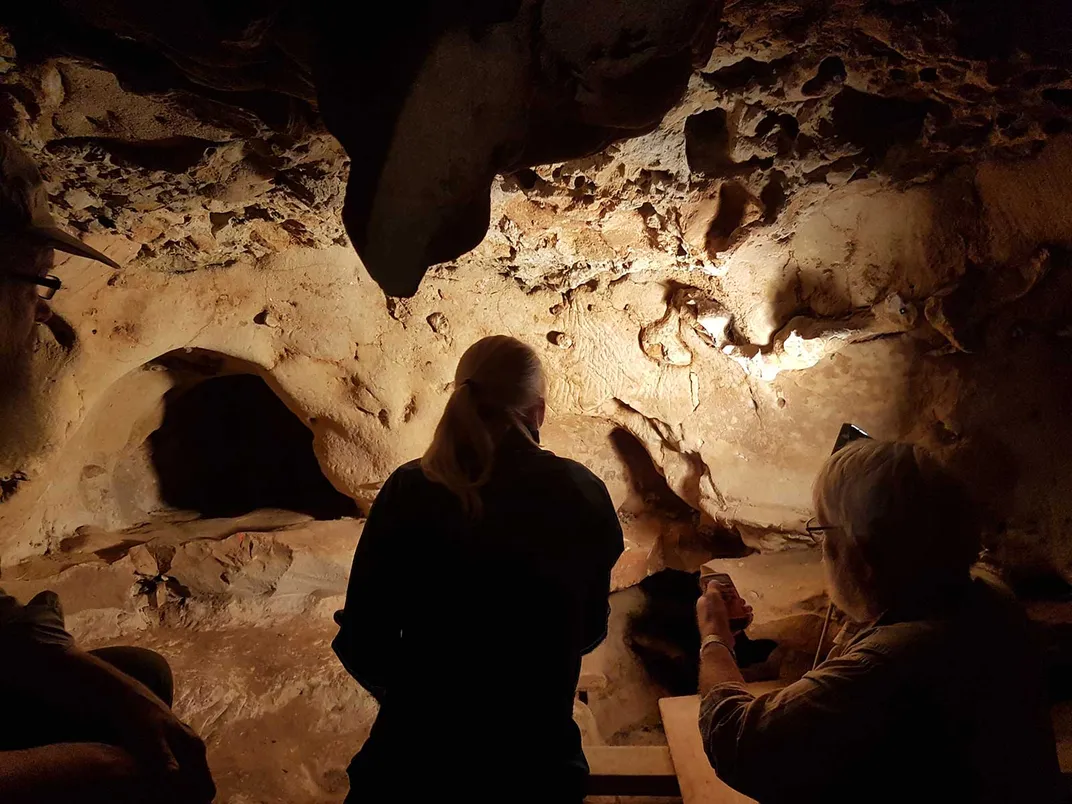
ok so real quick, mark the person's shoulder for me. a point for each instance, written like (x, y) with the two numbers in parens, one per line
(897, 641)
(577, 474)
(578, 471)
(405, 479)
(9, 607)
(407, 470)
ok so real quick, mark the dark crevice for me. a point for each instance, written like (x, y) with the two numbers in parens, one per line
(645, 478)
(747, 72)
(773, 196)
(229, 446)
(664, 637)
(708, 144)
(831, 70)
(1058, 95)
(967, 135)
(876, 123)
(732, 205)
(707, 141)
(1055, 126)
(785, 122)
(171, 154)
(1035, 78)
(10, 484)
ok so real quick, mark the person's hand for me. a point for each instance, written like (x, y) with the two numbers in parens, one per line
(738, 608)
(712, 614)
(717, 607)
(170, 752)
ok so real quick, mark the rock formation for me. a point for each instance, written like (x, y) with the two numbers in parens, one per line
(847, 211)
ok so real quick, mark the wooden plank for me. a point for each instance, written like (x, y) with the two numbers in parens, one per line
(695, 776)
(631, 770)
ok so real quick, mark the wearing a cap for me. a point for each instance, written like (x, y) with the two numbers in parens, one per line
(24, 205)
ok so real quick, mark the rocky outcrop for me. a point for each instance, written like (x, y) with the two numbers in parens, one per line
(463, 91)
(794, 95)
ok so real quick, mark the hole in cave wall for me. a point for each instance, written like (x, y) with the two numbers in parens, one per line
(831, 70)
(172, 155)
(877, 123)
(707, 141)
(733, 203)
(709, 144)
(664, 637)
(228, 446)
(663, 634)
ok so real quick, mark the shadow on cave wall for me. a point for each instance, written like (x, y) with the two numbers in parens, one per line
(1010, 435)
(228, 446)
(645, 478)
(687, 537)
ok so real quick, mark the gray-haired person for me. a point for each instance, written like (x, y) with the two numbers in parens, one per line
(91, 727)
(934, 693)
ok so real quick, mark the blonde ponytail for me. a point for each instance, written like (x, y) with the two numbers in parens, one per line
(498, 378)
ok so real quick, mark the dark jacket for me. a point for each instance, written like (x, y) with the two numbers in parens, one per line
(470, 631)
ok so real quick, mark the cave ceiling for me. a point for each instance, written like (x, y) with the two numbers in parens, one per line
(202, 136)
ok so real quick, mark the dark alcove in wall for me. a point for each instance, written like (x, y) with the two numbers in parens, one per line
(228, 446)
(646, 480)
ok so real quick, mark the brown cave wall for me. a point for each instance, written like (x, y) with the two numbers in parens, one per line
(820, 230)
(737, 419)
(192, 434)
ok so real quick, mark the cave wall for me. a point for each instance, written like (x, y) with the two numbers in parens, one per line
(852, 214)
(738, 430)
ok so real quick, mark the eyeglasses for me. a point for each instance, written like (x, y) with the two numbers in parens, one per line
(46, 285)
(813, 527)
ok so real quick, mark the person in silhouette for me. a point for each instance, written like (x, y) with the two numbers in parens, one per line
(933, 693)
(480, 579)
(88, 727)
(29, 239)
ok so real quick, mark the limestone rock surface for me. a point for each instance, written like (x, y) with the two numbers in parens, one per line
(851, 211)
(726, 289)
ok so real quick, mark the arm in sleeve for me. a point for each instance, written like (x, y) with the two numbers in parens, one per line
(608, 541)
(40, 621)
(370, 623)
(785, 745)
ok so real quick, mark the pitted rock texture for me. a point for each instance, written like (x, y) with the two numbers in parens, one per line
(462, 91)
(800, 241)
(794, 94)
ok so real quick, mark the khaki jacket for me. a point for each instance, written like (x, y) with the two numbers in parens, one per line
(949, 709)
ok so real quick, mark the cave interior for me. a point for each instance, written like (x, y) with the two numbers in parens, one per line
(727, 229)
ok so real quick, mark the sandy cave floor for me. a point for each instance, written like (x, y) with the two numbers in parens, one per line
(281, 718)
(279, 714)
(259, 681)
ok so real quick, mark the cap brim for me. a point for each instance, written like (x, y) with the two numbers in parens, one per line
(63, 241)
